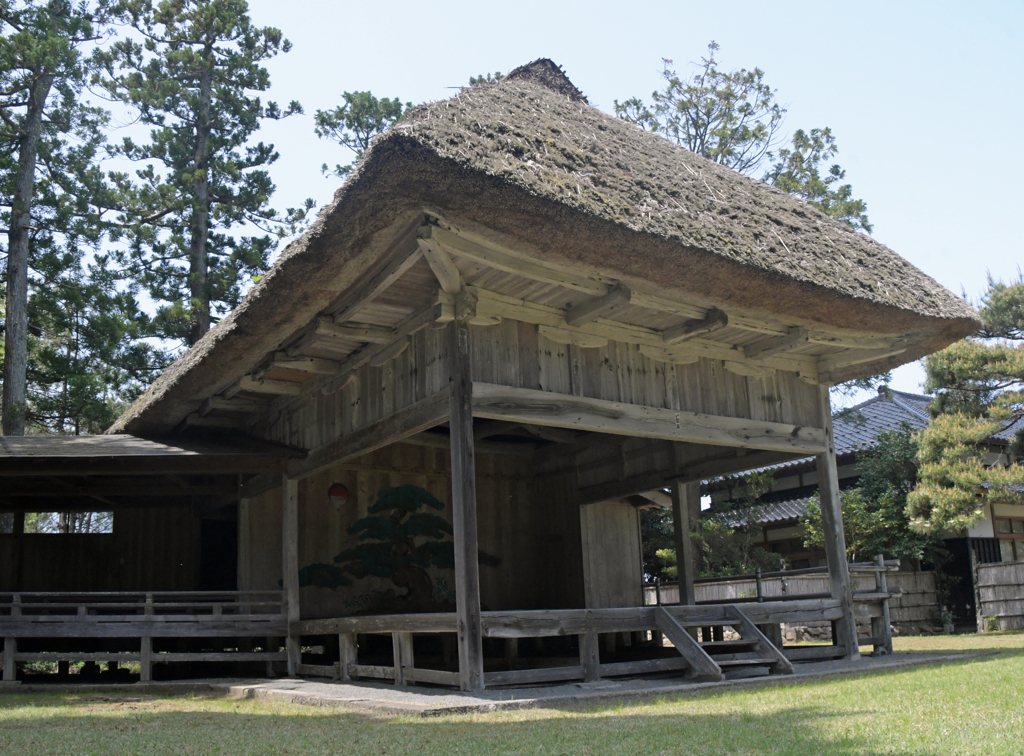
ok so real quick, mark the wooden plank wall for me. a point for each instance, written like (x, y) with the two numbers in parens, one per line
(150, 549)
(612, 560)
(516, 354)
(376, 393)
(529, 532)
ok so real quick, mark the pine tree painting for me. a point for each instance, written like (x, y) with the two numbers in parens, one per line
(399, 541)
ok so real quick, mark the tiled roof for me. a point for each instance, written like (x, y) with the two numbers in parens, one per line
(859, 427)
(856, 429)
(780, 511)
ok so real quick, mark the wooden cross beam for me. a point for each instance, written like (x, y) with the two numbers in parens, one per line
(714, 320)
(775, 344)
(597, 307)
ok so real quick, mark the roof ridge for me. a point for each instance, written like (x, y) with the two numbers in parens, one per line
(547, 73)
(912, 410)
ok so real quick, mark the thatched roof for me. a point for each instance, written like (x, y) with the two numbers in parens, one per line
(527, 162)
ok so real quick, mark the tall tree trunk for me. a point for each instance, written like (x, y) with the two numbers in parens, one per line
(198, 257)
(16, 336)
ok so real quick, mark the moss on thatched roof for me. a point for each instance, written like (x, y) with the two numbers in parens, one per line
(526, 161)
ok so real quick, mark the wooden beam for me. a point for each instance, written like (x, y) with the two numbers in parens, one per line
(771, 345)
(832, 529)
(198, 420)
(228, 405)
(327, 328)
(834, 362)
(417, 417)
(362, 293)
(581, 413)
(491, 304)
(265, 386)
(440, 262)
(464, 517)
(314, 365)
(572, 336)
(493, 257)
(713, 320)
(385, 356)
(598, 307)
(290, 565)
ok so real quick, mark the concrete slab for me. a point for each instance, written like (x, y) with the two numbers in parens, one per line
(385, 698)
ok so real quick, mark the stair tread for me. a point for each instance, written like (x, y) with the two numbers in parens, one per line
(762, 661)
(728, 644)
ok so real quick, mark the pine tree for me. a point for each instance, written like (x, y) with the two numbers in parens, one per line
(50, 139)
(193, 70)
(355, 123)
(734, 118)
(980, 385)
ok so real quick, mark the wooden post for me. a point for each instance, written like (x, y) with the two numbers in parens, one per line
(467, 568)
(11, 645)
(845, 633)
(290, 564)
(511, 652)
(401, 644)
(347, 654)
(10, 666)
(683, 496)
(882, 584)
(590, 656)
(146, 648)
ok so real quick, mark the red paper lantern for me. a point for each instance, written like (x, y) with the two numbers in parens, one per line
(337, 494)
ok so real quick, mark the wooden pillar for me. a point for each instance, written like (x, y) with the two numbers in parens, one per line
(346, 654)
(835, 540)
(290, 564)
(467, 568)
(684, 495)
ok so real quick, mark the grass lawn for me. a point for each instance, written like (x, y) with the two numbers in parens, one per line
(973, 707)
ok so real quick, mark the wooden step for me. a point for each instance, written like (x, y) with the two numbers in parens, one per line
(702, 667)
(758, 662)
(713, 647)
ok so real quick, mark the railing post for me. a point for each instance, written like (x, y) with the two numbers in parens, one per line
(347, 654)
(146, 647)
(401, 644)
(760, 587)
(882, 586)
(11, 645)
(590, 656)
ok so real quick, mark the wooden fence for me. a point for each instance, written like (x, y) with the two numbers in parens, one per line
(1001, 595)
(63, 619)
(913, 607)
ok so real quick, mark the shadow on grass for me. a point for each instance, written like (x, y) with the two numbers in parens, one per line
(112, 724)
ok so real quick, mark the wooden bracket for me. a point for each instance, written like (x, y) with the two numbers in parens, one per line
(714, 320)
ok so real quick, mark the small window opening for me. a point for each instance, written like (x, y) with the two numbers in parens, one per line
(69, 522)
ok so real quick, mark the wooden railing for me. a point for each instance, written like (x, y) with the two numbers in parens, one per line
(143, 616)
(587, 624)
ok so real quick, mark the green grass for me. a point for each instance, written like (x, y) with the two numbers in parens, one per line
(969, 707)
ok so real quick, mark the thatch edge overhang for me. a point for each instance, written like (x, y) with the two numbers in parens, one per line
(402, 174)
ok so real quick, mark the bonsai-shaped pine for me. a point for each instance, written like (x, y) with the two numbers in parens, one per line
(397, 542)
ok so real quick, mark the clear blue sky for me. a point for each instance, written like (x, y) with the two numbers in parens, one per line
(925, 98)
